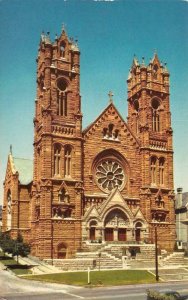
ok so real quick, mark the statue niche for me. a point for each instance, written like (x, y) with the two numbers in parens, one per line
(63, 196)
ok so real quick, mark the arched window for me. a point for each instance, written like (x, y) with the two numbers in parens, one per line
(110, 130)
(68, 158)
(62, 96)
(137, 123)
(160, 202)
(155, 115)
(155, 72)
(63, 196)
(92, 230)
(161, 170)
(62, 104)
(62, 50)
(153, 170)
(136, 105)
(138, 227)
(9, 202)
(62, 251)
(57, 159)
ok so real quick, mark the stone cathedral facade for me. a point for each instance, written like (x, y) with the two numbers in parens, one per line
(109, 183)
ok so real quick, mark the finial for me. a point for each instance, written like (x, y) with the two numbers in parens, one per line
(165, 67)
(110, 94)
(143, 62)
(56, 37)
(76, 41)
(155, 51)
(63, 27)
(11, 149)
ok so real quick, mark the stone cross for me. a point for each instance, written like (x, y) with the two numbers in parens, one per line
(110, 94)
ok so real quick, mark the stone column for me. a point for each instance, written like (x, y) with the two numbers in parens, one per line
(115, 234)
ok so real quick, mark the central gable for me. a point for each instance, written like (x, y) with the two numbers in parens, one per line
(110, 126)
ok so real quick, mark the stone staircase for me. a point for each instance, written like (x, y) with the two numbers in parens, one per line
(117, 256)
(102, 259)
(174, 259)
(147, 253)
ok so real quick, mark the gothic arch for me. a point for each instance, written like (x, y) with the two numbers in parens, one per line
(57, 148)
(62, 250)
(93, 224)
(68, 157)
(120, 208)
(115, 224)
(9, 209)
(156, 107)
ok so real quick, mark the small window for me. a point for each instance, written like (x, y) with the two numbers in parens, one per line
(155, 71)
(63, 196)
(110, 130)
(153, 170)
(155, 115)
(62, 50)
(57, 159)
(62, 97)
(161, 170)
(68, 160)
(9, 210)
(136, 105)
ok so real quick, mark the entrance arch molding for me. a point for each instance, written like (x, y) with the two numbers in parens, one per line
(121, 209)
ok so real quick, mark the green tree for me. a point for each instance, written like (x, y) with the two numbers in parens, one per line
(15, 247)
(6, 243)
(20, 248)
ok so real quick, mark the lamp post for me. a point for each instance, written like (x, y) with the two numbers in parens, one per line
(52, 242)
(156, 257)
(99, 260)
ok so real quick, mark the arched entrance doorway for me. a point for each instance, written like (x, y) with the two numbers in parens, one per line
(116, 223)
(138, 231)
(62, 251)
(92, 230)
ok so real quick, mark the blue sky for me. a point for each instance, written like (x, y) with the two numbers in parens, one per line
(109, 34)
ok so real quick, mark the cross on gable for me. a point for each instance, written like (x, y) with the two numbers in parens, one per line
(110, 94)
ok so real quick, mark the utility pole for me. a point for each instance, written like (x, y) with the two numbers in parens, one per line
(52, 242)
(156, 257)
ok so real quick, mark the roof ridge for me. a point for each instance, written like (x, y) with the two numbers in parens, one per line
(22, 158)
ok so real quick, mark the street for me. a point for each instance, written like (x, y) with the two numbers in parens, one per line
(12, 287)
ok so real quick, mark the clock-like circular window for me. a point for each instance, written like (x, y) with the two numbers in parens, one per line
(109, 174)
(61, 84)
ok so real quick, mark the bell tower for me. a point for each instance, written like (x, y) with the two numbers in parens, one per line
(57, 185)
(149, 117)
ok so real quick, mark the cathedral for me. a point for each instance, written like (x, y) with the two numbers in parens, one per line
(111, 182)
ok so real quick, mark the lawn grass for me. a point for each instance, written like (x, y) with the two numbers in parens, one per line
(15, 267)
(105, 278)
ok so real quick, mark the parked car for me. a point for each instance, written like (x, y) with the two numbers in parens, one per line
(165, 295)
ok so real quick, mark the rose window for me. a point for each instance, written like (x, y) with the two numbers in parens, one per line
(109, 174)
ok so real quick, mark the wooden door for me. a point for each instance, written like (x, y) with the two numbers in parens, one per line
(62, 254)
(92, 234)
(109, 234)
(137, 234)
(122, 234)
